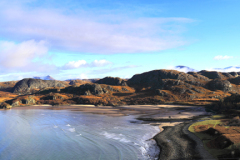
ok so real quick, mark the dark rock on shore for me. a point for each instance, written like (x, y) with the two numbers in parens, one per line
(178, 143)
(112, 81)
(23, 100)
(15, 103)
(28, 85)
(29, 100)
(5, 106)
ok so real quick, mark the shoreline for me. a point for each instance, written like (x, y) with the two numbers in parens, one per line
(162, 116)
(176, 142)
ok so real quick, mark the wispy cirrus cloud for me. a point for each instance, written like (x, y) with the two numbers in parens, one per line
(220, 57)
(86, 32)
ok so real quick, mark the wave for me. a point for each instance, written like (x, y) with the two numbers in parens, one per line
(119, 137)
(148, 148)
(72, 129)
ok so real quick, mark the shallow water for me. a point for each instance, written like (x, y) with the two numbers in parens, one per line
(60, 135)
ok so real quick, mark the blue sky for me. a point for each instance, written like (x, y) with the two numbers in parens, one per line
(93, 39)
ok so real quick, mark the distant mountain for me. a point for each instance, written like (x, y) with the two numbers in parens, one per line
(29, 85)
(44, 78)
(228, 69)
(89, 80)
(184, 69)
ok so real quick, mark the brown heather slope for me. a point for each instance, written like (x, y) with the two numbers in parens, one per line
(153, 87)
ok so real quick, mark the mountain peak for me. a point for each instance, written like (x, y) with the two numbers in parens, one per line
(48, 77)
(184, 69)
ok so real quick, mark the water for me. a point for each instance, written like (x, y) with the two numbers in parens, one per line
(36, 134)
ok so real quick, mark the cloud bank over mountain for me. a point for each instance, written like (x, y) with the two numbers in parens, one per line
(188, 69)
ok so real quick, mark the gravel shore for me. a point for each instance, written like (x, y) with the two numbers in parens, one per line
(177, 143)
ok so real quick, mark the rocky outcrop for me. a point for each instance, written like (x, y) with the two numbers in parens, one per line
(53, 96)
(212, 74)
(28, 85)
(22, 100)
(5, 105)
(7, 86)
(218, 84)
(227, 75)
(112, 81)
(234, 74)
(199, 76)
(161, 92)
(91, 89)
(235, 80)
(159, 79)
(185, 83)
(15, 103)
(30, 100)
(78, 82)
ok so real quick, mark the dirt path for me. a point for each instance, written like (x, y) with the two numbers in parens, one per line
(178, 143)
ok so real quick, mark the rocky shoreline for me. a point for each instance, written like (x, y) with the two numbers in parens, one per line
(176, 142)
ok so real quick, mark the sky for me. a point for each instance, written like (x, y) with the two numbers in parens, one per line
(78, 39)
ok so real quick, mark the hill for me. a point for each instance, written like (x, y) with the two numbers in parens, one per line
(153, 87)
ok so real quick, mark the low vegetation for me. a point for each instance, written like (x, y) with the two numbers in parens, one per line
(221, 133)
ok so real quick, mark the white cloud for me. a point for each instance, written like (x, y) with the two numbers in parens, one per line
(83, 63)
(100, 63)
(220, 57)
(26, 56)
(227, 69)
(83, 76)
(20, 55)
(93, 33)
(75, 64)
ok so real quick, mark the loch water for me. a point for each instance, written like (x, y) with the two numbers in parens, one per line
(41, 134)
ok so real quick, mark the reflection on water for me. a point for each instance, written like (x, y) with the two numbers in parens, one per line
(50, 135)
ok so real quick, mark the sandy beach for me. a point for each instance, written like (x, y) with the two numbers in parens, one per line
(174, 139)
